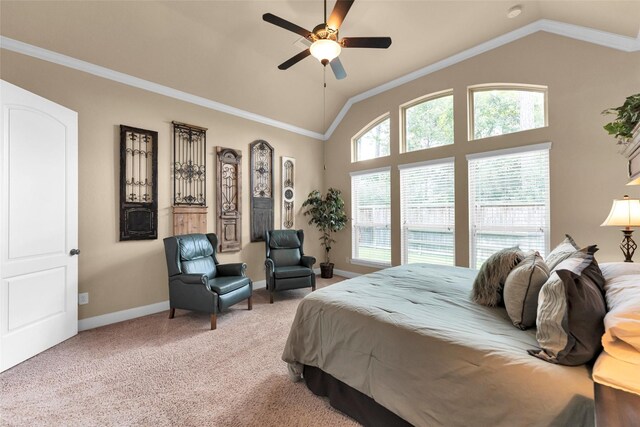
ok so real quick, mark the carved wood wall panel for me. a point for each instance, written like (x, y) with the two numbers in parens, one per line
(229, 199)
(138, 184)
(189, 220)
(261, 189)
(288, 193)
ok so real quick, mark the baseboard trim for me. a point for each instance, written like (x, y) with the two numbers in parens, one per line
(121, 316)
(145, 310)
(345, 273)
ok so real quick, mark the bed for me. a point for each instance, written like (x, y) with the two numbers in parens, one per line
(411, 340)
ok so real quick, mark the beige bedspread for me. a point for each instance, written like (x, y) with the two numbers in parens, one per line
(410, 338)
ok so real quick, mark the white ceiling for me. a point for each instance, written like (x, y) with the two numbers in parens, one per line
(224, 51)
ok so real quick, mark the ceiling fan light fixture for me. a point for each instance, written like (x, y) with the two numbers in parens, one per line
(325, 50)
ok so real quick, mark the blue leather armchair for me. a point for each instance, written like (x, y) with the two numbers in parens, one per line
(198, 282)
(286, 266)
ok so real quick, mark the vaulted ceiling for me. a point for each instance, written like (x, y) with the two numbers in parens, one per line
(224, 51)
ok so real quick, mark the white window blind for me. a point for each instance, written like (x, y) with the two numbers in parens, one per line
(371, 216)
(508, 202)
(428, 213)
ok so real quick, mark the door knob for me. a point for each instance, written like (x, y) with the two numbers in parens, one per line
(74, 252)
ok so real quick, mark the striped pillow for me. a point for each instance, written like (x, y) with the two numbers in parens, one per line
(571, 309)
(521, 290)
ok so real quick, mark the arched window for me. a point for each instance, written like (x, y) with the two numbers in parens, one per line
(373, 141)
(428, 122)
(501, 109)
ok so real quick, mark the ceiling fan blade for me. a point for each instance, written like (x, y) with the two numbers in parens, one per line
(339, 12)
(283, 23)
(294, 60)
(373, 42)
(338, 69)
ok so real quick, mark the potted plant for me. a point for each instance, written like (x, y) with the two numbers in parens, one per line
(329, 216)
(625, 125)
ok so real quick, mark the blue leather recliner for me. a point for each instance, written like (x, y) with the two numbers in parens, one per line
(198, 282)
(286, 266)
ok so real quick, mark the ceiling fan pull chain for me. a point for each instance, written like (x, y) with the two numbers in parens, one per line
(324, 96)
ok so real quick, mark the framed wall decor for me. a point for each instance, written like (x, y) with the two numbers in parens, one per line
(189, 179)
(288, 193)
(229, 199)
(261, 189)
(138, 184)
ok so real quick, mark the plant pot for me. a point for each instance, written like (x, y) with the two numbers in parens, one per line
(326, 270)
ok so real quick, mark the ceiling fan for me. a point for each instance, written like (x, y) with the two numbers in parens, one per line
(325, 42)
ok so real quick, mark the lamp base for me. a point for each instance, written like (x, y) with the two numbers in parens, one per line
(628, 246)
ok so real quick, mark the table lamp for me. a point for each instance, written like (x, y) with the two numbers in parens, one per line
(625, 213)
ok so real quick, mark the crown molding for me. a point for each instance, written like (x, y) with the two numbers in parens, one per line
(590, 35)
(97, 70)
(602, 38)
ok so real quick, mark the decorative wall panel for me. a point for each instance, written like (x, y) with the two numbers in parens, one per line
(138, 184)
(261, 189)
(288, 193)
(229, 199)
(189, 165)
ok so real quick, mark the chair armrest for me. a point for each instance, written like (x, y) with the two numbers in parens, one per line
(233, 269)
(307, 261)
(269, 266)
(190, 279)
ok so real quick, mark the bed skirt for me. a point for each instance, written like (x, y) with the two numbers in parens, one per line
(350, 401)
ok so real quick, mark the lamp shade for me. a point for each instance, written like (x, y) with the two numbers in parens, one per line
(325, 50)
(624, 213)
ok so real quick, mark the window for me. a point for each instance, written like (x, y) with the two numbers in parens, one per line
(428, 123)
(371, 216)
(374, 141)
(428, 212)
(502, 110)
(508, 201)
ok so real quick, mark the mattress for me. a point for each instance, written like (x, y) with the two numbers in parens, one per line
(411, 338)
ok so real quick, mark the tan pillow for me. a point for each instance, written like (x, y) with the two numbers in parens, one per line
(561, 252)
(521, 290)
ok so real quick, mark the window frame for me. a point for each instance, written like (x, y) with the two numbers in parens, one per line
(420, 100)
(503, 86)
(497, 153)
(360, 261)
(403, 240)
(372, 124)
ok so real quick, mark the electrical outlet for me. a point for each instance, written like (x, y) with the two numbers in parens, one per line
(83, 298)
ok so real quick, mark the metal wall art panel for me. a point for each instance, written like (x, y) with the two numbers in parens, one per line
(138, 184)
(229, 199)
(288, 193)
(261, 189)
(189, 165)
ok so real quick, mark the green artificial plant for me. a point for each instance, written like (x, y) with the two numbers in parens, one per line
(627, 118)
(327, 214)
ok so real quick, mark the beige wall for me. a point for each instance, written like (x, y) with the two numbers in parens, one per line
(123, 275)
(586, 171)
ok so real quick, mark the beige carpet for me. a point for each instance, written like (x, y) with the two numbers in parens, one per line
(154, 371)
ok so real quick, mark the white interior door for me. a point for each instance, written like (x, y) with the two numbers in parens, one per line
(38, 225)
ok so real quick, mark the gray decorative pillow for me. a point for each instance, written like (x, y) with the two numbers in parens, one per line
(487, 287)
(561, 252)
(521, 290)
(571, 310)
